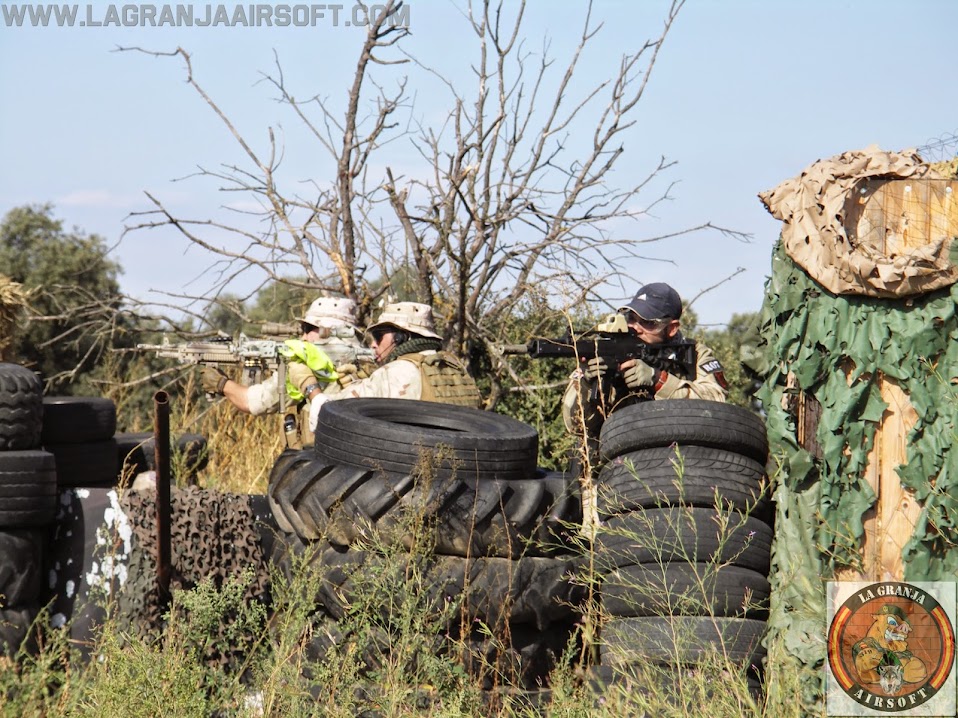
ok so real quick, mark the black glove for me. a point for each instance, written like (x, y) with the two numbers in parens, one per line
(213, 379)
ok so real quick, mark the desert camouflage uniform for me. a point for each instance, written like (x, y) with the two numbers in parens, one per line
(427, 376)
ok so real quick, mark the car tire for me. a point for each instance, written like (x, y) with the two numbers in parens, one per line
(686, 422)
(77, 419)
(391, 435)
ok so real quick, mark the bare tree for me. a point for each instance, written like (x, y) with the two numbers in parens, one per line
(511, 200)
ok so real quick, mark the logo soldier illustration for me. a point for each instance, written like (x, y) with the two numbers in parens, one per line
(882, 656)
(891, 647)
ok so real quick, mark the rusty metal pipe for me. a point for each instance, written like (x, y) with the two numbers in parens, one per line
(161, 443)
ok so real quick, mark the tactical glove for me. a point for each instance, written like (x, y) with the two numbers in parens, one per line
(348, 373)
(301, 376)
(639, 376)
(595, 369)
(213, 379)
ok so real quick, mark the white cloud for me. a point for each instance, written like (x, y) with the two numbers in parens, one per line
(96, 198)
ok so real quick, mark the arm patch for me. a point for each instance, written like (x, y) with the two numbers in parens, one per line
(712, 366)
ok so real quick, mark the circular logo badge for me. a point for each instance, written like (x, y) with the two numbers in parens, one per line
(891, 646)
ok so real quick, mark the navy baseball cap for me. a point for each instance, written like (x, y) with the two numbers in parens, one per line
(656, 301)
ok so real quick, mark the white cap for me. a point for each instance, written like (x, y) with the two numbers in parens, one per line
(411, 316)
(331, 313)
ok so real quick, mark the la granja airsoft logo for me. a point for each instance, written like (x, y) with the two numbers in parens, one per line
(891, 648)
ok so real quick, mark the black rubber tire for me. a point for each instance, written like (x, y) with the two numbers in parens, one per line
(28, 489)
(343, 504)
(21, 408)
(77, 419)
(684, 534)
(136, 452)
(686, 422)
(390, 434)
(685, 589)
(682, 640)
(519, 656)
(623, 682)
(21, 566)
(89, 464)
(496, 591)
(16, 632)
(648, 478)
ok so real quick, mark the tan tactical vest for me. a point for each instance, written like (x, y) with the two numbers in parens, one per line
(444, 379)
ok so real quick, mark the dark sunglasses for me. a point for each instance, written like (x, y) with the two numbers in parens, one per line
(307, 328)
(379, 334)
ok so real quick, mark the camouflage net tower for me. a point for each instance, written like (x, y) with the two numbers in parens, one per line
(861, 336)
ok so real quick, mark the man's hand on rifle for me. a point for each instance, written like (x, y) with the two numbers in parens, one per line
(595, 369)
(213, 379)
(637, 374)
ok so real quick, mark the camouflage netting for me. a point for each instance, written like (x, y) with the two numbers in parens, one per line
(213, 537)
(835, 348)
(813, 206)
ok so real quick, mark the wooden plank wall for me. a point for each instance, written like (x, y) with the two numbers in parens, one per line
(891, 216)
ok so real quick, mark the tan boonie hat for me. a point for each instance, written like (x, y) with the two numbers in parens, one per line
(411, 316)
(331, 312)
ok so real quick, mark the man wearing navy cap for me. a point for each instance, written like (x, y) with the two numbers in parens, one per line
(653, 316)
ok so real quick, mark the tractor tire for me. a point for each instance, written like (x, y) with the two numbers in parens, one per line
(21, 566)
(21, 408)
(28, 489)
(477, 517)
(17, 631)
(495, 591)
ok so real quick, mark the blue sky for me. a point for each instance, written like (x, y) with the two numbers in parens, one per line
(746, 94)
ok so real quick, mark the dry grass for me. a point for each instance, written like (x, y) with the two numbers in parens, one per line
(13, 300)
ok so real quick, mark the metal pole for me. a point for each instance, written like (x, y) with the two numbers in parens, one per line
(161, 442)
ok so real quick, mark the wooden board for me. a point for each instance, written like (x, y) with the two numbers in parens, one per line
(893, 215)
(891, 522)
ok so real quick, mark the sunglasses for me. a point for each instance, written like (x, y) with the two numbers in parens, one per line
(649, 325)
(379, 334)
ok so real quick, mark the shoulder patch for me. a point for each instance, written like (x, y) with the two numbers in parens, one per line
(712, 366)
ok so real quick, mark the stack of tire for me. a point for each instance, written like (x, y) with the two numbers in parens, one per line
(685, 535)
(87, 558)
(499, 556)
(28, 500)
